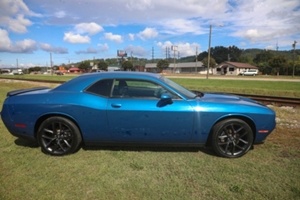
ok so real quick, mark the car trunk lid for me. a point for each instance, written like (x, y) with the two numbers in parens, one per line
(21, 91)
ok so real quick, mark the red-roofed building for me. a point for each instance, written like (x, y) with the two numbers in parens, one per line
(232, 68)
(75, 70)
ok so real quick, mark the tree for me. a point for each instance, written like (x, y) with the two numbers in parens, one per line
(102, 65)
(220, 54)
(202, 55)
(263, 57)
(265, 68)
(234, 53)
(127, 66)
(112, 61)
(84, 66)
(34, 69)
(162, 64)
(297, 65)
(246, 59)
(279, 64)
(212, 62)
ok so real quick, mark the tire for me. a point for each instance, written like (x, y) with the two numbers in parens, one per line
(231, 138)
(58, 136)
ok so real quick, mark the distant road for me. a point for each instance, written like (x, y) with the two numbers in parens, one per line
(251, 78)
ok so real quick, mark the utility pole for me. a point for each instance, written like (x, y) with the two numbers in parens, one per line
(51, 63)
(196, 63)
(208, 59)
(174, 48)
(152, 54)
(209, 44)
(166, 53)
(294, 47)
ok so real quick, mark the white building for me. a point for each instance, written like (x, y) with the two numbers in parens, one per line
(186, 67)
(17, 72)
(232, 68)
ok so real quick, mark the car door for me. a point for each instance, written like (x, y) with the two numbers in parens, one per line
(137, 114)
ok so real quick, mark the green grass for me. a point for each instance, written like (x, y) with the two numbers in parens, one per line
(242, 85)
(261, 87)
(270, 171)
(39, 77)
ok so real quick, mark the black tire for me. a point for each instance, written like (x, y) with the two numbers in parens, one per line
(231, 138)
(58, 136)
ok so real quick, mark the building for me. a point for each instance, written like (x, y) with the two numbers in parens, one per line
(17, 72)
(186, 67)
(75, 70)
(113, 68)
(232, 68)
(4, 71)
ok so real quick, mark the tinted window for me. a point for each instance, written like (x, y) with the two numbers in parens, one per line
(130, 88)
(102, 88)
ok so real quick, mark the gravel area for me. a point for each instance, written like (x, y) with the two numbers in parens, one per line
(288, 117)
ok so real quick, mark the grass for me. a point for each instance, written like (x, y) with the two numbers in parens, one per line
(261, 87)
(241, 85)
(39, 77)
(270, 171)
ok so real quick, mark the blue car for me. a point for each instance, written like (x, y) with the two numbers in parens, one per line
(134, 108)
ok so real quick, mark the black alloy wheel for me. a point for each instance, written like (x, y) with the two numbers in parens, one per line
(59, 136)
(232, 138)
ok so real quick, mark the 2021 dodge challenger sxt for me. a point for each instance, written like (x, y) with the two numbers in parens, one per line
(136, 108)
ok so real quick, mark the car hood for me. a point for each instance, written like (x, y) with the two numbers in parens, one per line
(226, 98)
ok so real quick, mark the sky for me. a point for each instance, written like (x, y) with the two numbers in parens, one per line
(38, 32)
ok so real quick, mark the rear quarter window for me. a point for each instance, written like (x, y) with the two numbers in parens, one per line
(102, 88)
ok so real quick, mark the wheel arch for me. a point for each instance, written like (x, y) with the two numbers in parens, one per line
(46, 116)
(248, 120)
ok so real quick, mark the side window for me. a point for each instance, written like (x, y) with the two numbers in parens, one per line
(120, 88)
(102, 87)
(130, 88)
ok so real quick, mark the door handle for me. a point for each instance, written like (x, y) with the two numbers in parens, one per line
(116, 105)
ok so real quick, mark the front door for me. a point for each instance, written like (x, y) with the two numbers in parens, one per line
(138, 116)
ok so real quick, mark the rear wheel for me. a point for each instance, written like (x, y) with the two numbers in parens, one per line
(59, 136)
(231, 138)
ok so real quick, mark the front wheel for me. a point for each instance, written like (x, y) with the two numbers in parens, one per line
(58, 136)
(231, 138)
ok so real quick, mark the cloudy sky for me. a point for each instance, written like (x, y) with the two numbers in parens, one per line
(76, 30)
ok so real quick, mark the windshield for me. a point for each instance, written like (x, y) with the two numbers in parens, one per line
(182, 90)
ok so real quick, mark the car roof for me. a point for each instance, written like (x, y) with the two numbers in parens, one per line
(81, 82)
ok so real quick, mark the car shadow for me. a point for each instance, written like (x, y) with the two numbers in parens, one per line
(26, 143)
(207, 150)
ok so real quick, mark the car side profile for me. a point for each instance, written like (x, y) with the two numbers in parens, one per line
(134, 108)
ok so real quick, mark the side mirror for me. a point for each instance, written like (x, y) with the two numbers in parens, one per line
(165, 99)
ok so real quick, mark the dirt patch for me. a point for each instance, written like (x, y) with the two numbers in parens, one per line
(286, 136)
